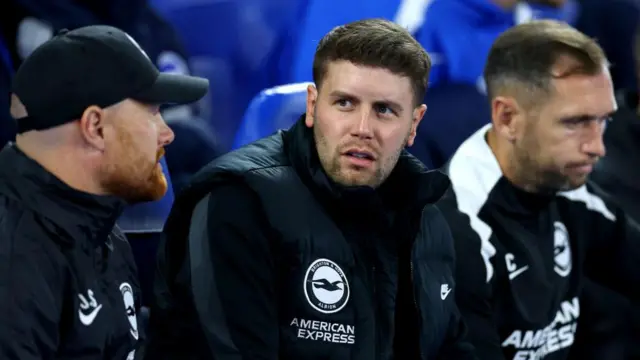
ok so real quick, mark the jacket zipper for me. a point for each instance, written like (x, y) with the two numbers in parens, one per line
(415, 303)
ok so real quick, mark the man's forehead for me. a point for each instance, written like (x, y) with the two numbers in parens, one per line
(587, 94)
(371, 83)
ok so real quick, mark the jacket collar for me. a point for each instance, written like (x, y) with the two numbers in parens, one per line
(80, 214)
(409, 185)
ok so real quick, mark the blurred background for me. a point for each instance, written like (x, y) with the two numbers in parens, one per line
(258, 55)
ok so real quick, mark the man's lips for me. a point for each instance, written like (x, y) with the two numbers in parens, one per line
(360, 154)
(359, 157)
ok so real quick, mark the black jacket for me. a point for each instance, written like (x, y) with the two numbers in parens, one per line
(535, 272)
(618, 173)
(265, 258)
(68, 287)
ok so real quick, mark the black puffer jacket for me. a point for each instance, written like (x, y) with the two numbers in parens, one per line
(266, 258)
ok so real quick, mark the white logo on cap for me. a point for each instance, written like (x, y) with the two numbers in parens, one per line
(137, 45)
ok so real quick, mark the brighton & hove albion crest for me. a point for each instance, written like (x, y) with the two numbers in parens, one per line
(561, 250)
(326, 287)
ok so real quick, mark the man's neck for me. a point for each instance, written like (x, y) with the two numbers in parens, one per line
(72, 170)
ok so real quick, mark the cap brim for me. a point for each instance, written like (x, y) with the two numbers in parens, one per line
(174, 89)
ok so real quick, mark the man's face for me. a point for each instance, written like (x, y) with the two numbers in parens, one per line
(561, 141)
(362, 118)
(134, 147)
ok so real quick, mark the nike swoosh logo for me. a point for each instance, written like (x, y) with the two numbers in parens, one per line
(444, 296)
(515, 274)
(88, 318)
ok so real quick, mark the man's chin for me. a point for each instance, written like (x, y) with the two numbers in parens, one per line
(153, 190)
(354, 180)
(573, 183)
(159, 187)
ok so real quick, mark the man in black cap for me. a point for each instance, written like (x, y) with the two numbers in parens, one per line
(89, 140)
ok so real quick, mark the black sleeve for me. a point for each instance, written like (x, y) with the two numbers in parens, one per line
(613, 257)
(473, 286)
(456, 345)
(225, 293)
(31, 286)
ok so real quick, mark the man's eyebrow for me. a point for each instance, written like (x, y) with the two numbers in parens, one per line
(344, 94)
(588, 117)
(387, 102)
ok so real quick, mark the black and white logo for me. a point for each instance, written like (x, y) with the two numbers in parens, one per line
(130, 308)
(326, 287)
(89, 308)
(561, 250)
(512, 267)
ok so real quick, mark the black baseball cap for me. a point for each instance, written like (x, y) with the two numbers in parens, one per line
(93, 65)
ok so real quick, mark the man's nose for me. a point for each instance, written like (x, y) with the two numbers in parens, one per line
(363, 127)
(594, 146)
(165, 135)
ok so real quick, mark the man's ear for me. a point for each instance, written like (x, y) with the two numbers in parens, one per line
(92, 126)
(505, 116)
(418, 115)
(312, 98)
(18, 110)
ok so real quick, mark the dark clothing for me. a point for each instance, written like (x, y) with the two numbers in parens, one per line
(135, 17)
(618, 173)
(68, 287)
(613, 23)
(266, 258)
(195, 146)
(449, 123)
(7, 124)
(523, 261)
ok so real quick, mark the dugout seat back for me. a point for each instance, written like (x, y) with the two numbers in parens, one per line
(271, 110)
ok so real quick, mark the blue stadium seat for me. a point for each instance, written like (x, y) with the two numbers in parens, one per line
(271, 110)
(237, 46)
(148, 217)
(323, 15)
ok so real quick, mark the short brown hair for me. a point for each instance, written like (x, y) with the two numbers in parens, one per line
(525, 56)
(376, 43)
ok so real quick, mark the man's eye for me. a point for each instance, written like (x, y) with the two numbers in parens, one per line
(343, 103)
(384, 110)
(572, 123)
